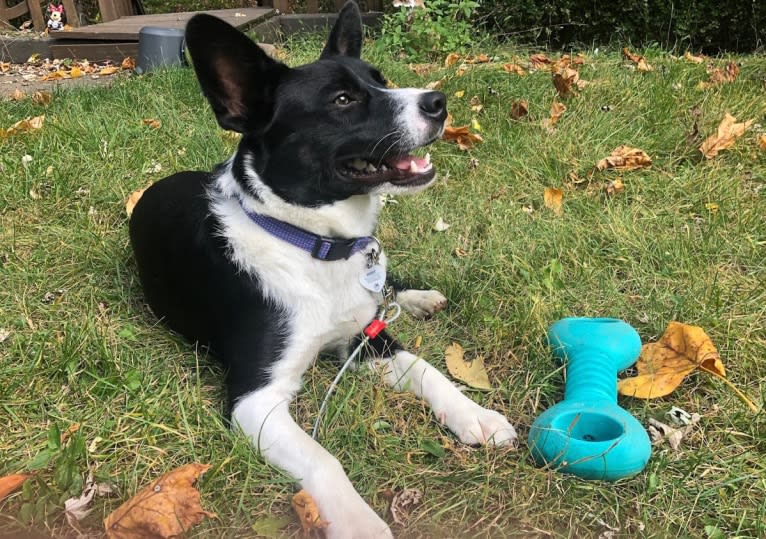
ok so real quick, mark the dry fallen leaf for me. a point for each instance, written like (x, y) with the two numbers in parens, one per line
(557, 109)
(110, 70)
(461, 136)
(725, 136)
(23, 126)
(165, 508)
(554, 199)
(640, 61)
(514, 68)
(659, 432)
(128, 63)
(18, 95)
(663, 365)
(308, 513)
(720, 76)
(451, 59)
(519, 109)
(478, 59)
(614, 187)
(625, 158)
(564, 80)
(539, 61)
(469, 372)
(403, 503)
(762, 142)
(133, 199)
(152, 122)
(440, 225)
(11, 483)
(42, 98)
(694, 59)
(422, 70)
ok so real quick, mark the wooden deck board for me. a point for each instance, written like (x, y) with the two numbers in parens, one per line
(127, 28)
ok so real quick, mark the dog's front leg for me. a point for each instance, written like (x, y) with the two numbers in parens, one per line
(472, 424)
(264, 416)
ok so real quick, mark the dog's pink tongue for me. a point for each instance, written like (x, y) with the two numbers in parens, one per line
(404, 163)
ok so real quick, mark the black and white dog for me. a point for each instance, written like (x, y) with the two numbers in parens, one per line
(270, 259)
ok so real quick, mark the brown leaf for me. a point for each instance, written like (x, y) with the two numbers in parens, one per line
(435, 85)
(725, 136)
(461, 136)
(519, 109)
(308, 513)
(693, 59)
(720, 76)
(557, 110)
(564, 79)
(625, 158)
(165, 508)
(133, 199)
(614, 187)
(663, 365)
(554, 199)
(5, 67)
(23, 126)
(152, 122)
(128, 63)
(42, 98)
(640, 61)
(539, 61)
(11, 483)
(18, 95)
(514, 68)
(762, 142)
(451, 59)
(472, 373)
(403, 503)
(478, 59)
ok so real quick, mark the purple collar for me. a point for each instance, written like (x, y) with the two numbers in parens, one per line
(320, 247)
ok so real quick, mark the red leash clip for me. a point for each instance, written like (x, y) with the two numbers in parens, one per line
(374, 329)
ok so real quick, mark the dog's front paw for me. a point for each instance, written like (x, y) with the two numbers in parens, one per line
(421, 303)
(475, 425)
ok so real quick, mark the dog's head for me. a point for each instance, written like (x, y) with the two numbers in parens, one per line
(320, 132)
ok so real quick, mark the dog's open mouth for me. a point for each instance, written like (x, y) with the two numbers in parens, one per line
(401, 170)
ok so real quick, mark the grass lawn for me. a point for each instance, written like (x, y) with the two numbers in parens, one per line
(685, 240)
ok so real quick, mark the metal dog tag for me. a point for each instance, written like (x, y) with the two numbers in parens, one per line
(373, 278)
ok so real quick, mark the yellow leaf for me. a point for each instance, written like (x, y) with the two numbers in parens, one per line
(75, 72)
(459, 93)
(11, 483)
(308, 513)
(625, 158)
(554, 199)
(712, 207)
(475, 124)
(165, 508)
(23, 126)
(725, 136)
(470, 372)
(133, 199)
(18, 95)
(109, 70)
(663, 365)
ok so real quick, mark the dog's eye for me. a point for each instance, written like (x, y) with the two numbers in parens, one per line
(343, 99)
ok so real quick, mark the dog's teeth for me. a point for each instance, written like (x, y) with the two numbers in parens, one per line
(383, 167)
(414, 167)
(358, 164)
(428, 159)
(371, 168)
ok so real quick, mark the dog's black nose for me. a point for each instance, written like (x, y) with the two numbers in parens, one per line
(434, 105)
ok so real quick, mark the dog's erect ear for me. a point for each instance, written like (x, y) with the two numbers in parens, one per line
(346, 36)
(236, 76)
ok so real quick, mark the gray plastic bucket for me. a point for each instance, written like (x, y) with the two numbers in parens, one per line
(160, 47)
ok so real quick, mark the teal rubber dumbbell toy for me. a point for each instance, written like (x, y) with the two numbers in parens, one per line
(588, 434)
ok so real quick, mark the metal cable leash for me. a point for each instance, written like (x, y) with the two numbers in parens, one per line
(370, 332)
